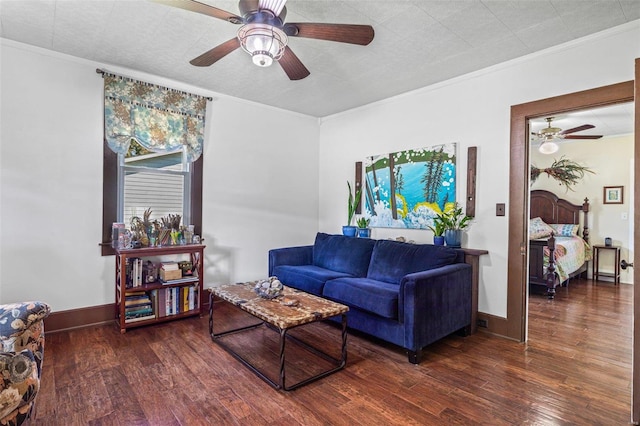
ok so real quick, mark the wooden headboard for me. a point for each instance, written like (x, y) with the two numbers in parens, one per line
(551, 209)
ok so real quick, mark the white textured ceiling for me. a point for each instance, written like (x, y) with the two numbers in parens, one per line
(417, 43)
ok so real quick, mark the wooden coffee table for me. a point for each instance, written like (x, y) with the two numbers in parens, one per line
(280, 315)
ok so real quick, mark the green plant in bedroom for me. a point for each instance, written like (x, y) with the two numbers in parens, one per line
(565, 171)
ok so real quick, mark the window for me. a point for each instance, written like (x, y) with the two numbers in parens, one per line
(156, 181)
(153, 139)
(163, 182)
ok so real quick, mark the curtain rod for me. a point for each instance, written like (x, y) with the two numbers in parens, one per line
(103, 72)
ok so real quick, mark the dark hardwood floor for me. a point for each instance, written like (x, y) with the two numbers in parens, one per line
(574, 370)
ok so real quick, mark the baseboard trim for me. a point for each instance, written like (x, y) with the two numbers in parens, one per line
(494, 324)
(86, 317)
(81, 317)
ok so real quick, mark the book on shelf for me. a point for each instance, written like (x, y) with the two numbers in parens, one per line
(134, 272)
(191, 279)
(192, 298)
(138, 304)
(169, 266)
(136, 300)
(174, 300)
(139, 318)
(137, 310)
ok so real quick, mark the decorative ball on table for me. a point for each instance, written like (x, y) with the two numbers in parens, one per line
(269, 288)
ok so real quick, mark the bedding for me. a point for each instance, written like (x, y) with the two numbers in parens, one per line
(562, 227)
(569, 255)
(564, 230)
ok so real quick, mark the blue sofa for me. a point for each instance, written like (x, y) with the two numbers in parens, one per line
(408, 294)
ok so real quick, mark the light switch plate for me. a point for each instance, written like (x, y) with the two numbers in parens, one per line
(500, 209)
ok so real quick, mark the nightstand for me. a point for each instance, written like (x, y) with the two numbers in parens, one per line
(595, 267)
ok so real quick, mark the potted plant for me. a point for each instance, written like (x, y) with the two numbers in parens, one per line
(454, 221)
(363, 227)
(438, 230)
(352, 203)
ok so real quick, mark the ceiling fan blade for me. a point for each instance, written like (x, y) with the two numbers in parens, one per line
(577, 129)
(583, 137)
(292, 65)
(211, 56)
(205, 9)
(342, 33)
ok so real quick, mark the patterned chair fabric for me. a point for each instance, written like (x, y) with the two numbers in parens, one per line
(21, 354)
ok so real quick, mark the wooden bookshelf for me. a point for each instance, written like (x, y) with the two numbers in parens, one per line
(142, 300)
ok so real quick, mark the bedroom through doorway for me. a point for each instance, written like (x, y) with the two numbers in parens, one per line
(577, 156)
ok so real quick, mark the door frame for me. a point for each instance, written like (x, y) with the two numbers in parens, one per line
(515, 324)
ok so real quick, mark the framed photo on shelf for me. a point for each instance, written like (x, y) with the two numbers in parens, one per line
(613, 195)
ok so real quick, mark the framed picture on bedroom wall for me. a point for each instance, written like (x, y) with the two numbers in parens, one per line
(613, 195)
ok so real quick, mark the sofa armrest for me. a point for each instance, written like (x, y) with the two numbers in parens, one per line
(296, 256)
(16, 318)
(435, 303)
(20, 383)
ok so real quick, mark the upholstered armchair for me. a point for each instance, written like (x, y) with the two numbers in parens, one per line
(21, 352)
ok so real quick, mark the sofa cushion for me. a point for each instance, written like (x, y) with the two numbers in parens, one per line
(370, 295)
(392, 260)
(307, 278)
(343, 254)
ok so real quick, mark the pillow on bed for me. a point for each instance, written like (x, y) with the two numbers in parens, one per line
(565, 229)
(538, 229)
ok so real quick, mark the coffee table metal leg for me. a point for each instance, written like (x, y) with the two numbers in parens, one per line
(340, 363)
(211, 314)
(344, 340)
(283, 338)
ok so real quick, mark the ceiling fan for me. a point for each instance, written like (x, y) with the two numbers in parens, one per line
(549, 135)
(264, 35)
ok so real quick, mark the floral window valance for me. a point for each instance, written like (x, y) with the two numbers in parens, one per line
(158, 118)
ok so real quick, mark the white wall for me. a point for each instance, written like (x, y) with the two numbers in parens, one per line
(260, 181)
(613, 169)
(271, 178)
(473, 110)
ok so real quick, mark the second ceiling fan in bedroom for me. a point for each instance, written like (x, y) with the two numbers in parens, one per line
(548, 136)
(264, 35)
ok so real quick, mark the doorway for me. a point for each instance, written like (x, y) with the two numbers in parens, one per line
(514, 325)
(601, 141)
(517, 273)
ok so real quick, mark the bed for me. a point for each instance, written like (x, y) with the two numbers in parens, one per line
(558, 241)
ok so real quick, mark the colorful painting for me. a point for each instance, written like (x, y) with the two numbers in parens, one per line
(407, 189)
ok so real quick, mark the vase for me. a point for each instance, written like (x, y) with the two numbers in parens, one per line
(364, 233)
(438, 240)
(453, 237)
(349, 231)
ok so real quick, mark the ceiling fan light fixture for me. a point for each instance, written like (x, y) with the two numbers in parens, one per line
(548, 147)
(265, 43)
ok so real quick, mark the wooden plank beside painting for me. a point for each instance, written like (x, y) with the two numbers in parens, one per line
(358, 185)
(472, 156)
